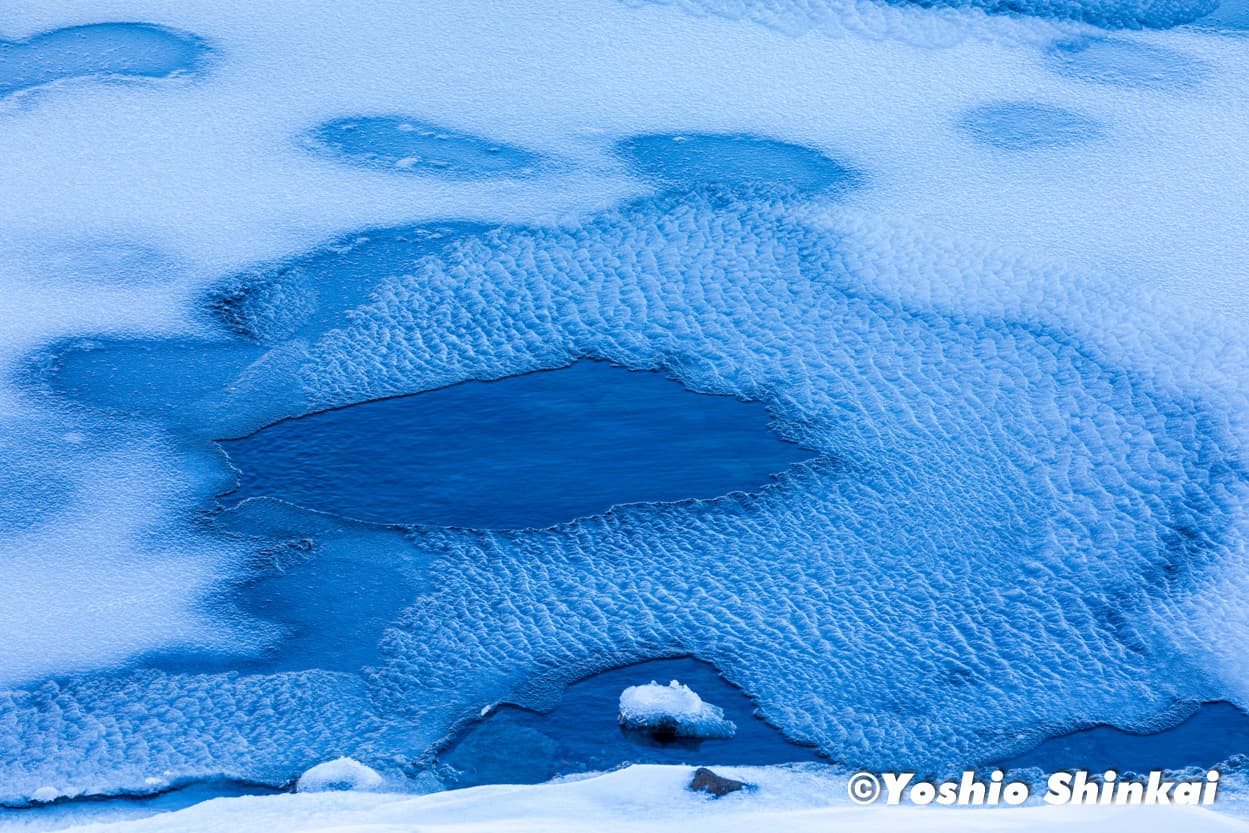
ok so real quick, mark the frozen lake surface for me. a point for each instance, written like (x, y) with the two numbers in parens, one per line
(887, 357)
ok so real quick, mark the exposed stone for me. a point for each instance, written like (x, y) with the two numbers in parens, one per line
(717, 785)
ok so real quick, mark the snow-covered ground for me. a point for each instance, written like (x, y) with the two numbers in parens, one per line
(646, 799)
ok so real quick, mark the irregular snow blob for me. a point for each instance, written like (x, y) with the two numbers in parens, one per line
(338, 775)
(672, 711)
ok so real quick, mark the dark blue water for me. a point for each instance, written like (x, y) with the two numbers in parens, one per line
(1024, 125)
(396, 143)
(581, 734)
(527, 451)
(731, 160)
(1211, 735)
(130, 50)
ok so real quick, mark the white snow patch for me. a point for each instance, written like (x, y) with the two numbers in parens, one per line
(675, 706)
(45, 794)
(339, 774)
(650, 799)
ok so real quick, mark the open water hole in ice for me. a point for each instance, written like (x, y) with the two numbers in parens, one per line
(581, 734)
(526, 451)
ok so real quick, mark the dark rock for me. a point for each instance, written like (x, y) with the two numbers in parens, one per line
(707, 781)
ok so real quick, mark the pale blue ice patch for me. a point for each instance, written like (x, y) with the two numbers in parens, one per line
(397, 143)
(1026, 125)
(684, 161)
(1126, 63)
(98, 50)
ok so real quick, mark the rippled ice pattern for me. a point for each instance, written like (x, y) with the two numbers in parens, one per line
(949, 470)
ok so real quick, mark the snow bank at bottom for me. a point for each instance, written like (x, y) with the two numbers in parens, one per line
(646, 799)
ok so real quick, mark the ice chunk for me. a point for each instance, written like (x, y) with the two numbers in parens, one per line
(673, 711)
(339, 774)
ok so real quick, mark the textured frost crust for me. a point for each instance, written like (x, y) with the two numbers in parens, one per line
(990, 548)
(998, 519)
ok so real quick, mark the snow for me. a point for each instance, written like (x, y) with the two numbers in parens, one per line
(644, 799)
(675, 706)
(339, 774)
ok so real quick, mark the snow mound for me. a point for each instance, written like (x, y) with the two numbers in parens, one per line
(674, 708)
(338, 775)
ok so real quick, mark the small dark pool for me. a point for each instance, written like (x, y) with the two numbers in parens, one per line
(526, 451)
(581, 734)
